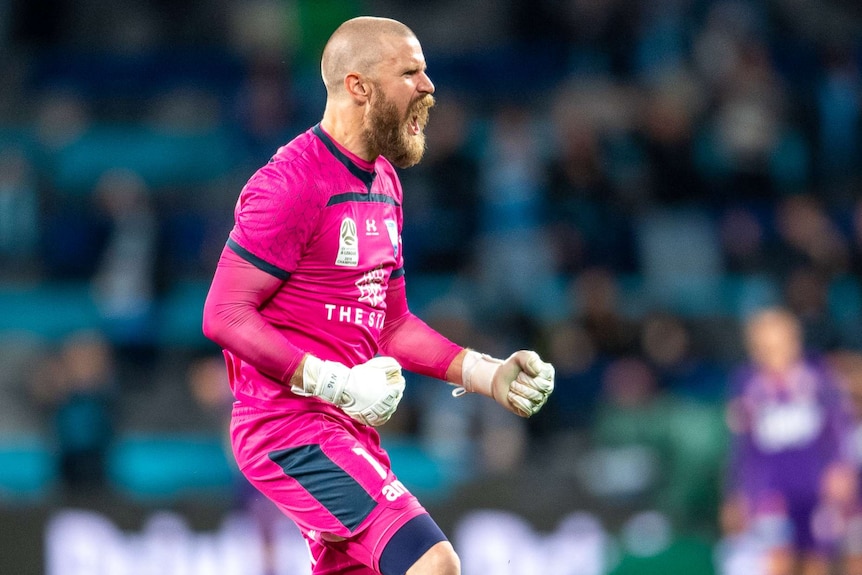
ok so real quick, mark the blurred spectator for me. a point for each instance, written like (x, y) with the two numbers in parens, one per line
(806, 294)
(587, 215)
(73, 232)
(743, 240)
(62, 116)
(125, 280)
(210, 390)
(76, 388)
(681, 275)
(791, 483)
(510, 216)
(667, 344)
(630, 433)
(596, 301)
(20, 216)
(748, 148)
(264, 106)
(263, 28)
(578, 381)
(806, 234)
(578, 192)
(839, 120)
(693, 383)
(21, 355)
(443, 424)
(595, 29)
(669, 118)
(183, 110)
(73, 237)
(663, 30)
(655, 449)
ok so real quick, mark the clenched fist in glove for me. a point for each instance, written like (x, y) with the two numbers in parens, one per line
(521, 383)
(368, 392)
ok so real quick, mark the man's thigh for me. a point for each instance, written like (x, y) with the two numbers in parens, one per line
(329, 476)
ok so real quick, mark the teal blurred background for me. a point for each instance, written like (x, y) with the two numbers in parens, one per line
(616, 184)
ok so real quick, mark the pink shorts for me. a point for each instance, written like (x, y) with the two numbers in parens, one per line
(330, 476)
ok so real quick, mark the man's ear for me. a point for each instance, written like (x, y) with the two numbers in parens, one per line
(357, 87)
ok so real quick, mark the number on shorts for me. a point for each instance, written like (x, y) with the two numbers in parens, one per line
(361, 452)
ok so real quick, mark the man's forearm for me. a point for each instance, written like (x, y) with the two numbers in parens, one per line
(454, 371)
(232, 320)
(420, 349)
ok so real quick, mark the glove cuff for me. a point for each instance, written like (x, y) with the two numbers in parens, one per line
(311, 367)
(323, 379)
(477, 373)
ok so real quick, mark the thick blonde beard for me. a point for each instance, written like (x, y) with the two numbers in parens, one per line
(388, 134)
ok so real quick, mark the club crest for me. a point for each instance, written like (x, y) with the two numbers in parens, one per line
(392, 228)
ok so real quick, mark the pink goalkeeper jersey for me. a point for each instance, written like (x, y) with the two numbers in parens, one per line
(329, 224)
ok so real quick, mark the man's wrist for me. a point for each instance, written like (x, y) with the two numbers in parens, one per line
(477, 372)
(298, 377)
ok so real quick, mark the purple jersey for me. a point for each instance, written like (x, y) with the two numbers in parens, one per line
(329, 224)
(789, 428)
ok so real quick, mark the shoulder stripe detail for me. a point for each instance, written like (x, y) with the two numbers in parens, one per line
(256, 261)
(365, 176)
(396, 274)
(324, 480)
(358, 197)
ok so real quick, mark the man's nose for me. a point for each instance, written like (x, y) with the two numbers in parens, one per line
(426, 86)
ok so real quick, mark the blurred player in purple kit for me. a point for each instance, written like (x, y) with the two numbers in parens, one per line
(792, 483)
(308, 302)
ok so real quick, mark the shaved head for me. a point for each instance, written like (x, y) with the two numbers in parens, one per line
(377, 90)
(358, 45)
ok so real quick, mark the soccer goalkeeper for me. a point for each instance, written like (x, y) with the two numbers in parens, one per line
(308, 302)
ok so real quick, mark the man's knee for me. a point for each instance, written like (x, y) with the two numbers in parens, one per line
(441, 559)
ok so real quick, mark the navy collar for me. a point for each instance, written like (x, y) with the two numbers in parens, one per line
(365, 176)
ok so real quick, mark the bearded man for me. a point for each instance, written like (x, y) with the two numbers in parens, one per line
(308, 302)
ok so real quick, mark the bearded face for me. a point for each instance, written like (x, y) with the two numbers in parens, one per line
(398, 138)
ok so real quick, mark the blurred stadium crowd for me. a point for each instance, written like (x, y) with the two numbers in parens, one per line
(615, 183)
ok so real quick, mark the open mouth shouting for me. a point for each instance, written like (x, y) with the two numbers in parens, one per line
(418, 116)
(415, 128)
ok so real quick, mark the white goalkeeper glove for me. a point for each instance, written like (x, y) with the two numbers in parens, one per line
(368, 392)
(521, 383)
